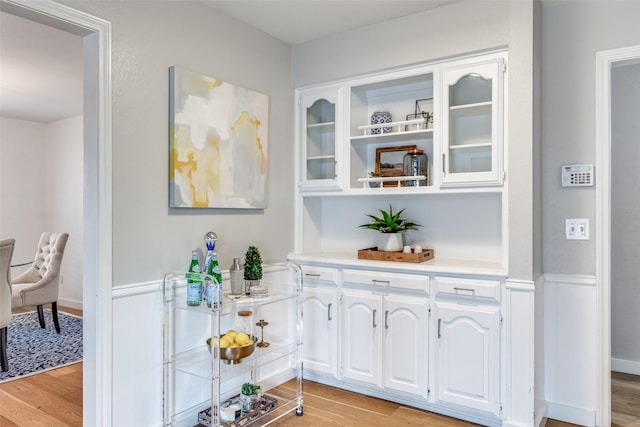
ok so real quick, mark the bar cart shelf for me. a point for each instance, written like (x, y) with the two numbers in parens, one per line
(197, 382)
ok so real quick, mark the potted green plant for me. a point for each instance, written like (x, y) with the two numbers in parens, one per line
(390, 226)
(249, 396)
(252, 266)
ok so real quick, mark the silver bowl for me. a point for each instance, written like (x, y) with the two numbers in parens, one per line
(234, 355)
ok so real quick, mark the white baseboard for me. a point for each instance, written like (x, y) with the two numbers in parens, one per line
(625, 366)
(571, 414)
(63, 302)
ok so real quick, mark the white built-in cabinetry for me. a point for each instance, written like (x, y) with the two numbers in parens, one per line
(427, 334)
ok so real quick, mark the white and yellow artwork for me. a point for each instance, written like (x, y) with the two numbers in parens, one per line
(218, 138)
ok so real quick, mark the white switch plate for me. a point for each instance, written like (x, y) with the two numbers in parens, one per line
(577, 228)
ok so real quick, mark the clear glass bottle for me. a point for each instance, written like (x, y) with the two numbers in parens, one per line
(415, 163)
(236, 274)
(194, 284)
(214, 292)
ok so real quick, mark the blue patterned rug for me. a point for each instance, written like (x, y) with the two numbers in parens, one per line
(33, 350)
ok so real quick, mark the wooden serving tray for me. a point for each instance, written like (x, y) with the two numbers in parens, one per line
(375, 254)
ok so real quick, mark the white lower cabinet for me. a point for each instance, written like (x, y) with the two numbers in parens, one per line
(428, 340)
(466, 344)
(320, 322)
(385, 340)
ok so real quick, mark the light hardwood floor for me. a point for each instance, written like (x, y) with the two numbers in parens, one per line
(54, 399)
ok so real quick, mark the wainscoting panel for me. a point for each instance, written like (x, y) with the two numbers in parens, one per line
(570, 348)
(137, 354)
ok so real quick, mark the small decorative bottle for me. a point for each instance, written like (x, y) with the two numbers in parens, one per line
(236, 273)
(194, 284)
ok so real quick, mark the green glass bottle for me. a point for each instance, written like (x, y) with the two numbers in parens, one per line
(194, 284)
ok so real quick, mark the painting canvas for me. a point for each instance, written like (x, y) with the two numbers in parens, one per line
(218, 143)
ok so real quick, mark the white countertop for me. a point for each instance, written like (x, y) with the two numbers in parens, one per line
(435, 265)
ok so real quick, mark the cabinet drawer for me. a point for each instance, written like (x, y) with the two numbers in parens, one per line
(392, 280)
(312, 275)
(468, 288)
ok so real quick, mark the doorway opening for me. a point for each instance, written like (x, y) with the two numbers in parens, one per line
(605, 60)
(96, 300)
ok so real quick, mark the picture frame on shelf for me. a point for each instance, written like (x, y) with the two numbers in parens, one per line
(389, 162)
(424, 108)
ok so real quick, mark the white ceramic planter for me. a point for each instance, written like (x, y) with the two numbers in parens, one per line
(390, 242)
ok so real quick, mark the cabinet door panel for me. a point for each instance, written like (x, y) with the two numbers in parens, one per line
(320, 326)
(472, 124)
(405, 345)
(320, 112)
(361, 339)
(467, 360)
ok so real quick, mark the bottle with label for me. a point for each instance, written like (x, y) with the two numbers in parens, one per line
(214, 292)
(194, 284)
(236, 274)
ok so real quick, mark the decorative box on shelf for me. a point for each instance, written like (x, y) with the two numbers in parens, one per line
(376, 255)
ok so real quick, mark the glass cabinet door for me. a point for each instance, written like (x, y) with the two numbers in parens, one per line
(472, 125)
(319, 163)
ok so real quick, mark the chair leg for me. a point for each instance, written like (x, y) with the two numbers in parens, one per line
(41, 316)
(4, 362)
(54, 313)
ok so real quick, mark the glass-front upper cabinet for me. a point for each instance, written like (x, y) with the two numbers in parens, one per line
(472, 127)
(320, 112)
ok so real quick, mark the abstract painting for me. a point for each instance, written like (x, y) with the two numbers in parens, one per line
(218, 137)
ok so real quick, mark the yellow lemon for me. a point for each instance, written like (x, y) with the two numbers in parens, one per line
(231, 333)
(224, 343)
(242, 338)
(234, 345)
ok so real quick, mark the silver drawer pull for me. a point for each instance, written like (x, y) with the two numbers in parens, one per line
(374, 318)
(384, 282)
(464, 289)
(312, 275)
(386, 319)
(439, 325)
(329, 312)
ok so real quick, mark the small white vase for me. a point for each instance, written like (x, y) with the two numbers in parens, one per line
(390, 242)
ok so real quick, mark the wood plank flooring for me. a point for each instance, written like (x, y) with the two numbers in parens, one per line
(54, 399)
(51, 399)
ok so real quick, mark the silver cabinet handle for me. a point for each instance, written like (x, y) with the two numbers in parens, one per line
(386, 319)
(329, 312)
(384, 282)
(443, 163)
(374, 318)
(439, 324)
(463, 289)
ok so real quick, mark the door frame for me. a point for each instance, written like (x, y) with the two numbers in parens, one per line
(97, 196)
(605, 60)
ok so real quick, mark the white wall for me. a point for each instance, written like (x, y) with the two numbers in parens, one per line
(22, 189)
(41, 190)
(63, 155)
(148, 37)
(625, 228)
(572, 34)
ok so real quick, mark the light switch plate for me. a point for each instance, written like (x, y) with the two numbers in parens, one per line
(577, 228)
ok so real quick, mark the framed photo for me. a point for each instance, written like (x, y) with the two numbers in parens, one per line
(424, 108)
(389, 162)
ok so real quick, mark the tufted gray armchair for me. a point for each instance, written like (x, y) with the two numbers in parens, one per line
(6, 251)
(39, 284)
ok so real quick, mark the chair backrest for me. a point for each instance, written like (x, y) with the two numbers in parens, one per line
(49, 254)
(6, 252)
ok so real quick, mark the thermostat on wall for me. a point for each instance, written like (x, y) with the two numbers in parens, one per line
(577, 175)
